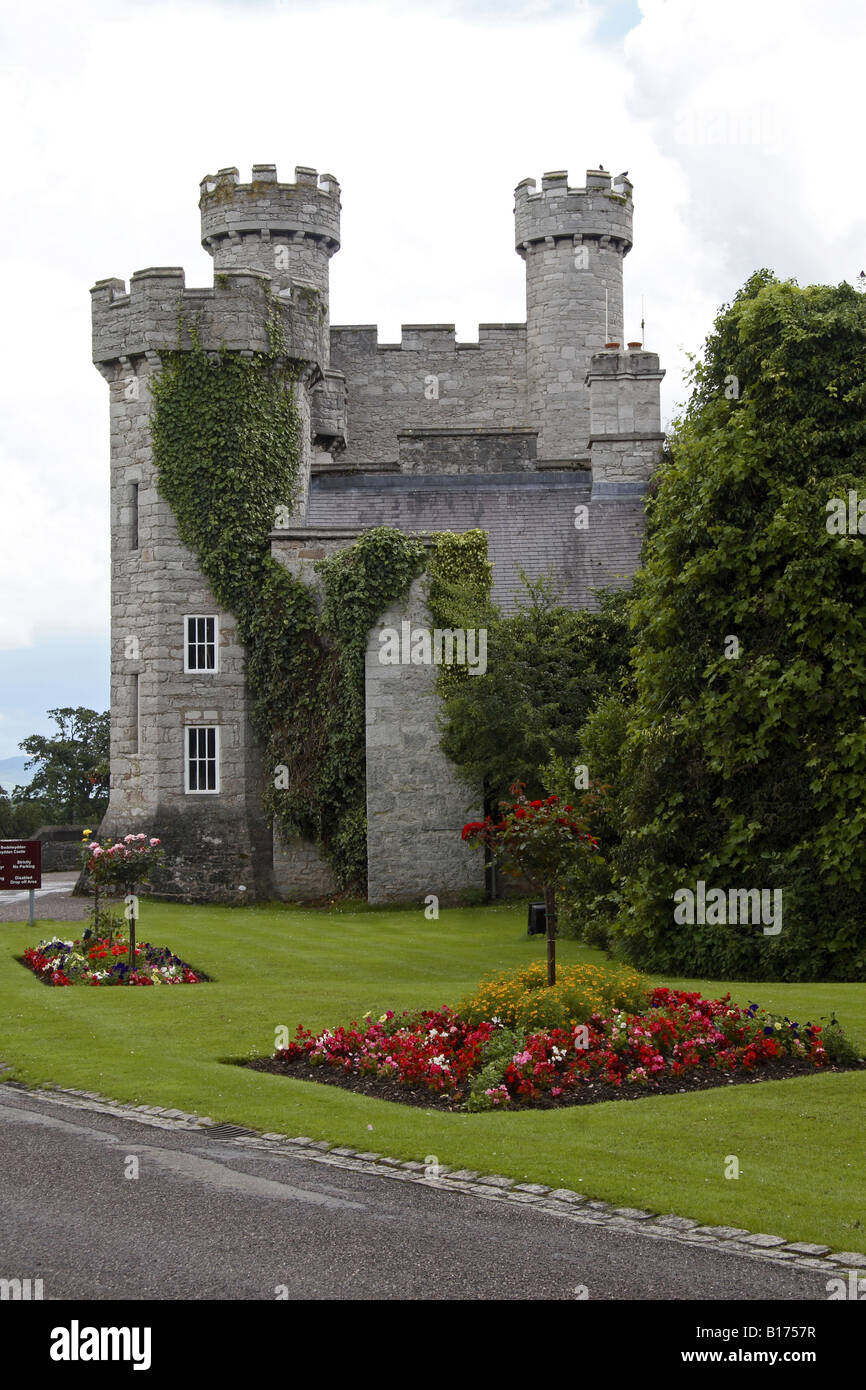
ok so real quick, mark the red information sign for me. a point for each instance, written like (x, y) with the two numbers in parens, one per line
(20, 864)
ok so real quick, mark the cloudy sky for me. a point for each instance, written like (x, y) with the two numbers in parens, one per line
(739, 123)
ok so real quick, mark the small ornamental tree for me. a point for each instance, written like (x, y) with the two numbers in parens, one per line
(120, 866)
(539, 841)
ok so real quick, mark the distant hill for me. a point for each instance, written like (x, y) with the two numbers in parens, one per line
(12, 772)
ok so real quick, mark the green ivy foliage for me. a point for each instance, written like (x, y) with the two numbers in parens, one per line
(750, 772)
(226, 440)
(227, 444)
(306, 672)
(458, 594)
(358, 584)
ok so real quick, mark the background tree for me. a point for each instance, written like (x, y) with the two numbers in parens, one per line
(749, 770)
(546, 668)
(72, 774)
(21, 814)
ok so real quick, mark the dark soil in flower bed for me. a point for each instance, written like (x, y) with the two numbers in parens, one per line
(588, 1093)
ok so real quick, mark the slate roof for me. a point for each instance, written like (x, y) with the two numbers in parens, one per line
(529, 518)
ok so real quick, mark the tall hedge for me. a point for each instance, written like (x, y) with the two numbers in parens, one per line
(748, 770)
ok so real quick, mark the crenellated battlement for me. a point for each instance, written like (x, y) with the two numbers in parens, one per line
(264, 208)
(601, 211)
(232, 314)
(427, 338)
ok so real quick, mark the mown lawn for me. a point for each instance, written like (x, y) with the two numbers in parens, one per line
(799, 1143)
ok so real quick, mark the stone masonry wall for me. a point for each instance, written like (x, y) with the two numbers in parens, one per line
(416, 807)
(427, 381)
(626, 435)
(301, 873)
(463, 451)
(217, 844)
(565, 309)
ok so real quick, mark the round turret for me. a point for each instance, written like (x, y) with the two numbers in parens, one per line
(601, 209)
(288, 230)
(573, 241)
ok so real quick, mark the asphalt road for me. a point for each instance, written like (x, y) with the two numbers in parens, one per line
(208, 1219)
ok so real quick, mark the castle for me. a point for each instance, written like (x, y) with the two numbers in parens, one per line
(544, 434)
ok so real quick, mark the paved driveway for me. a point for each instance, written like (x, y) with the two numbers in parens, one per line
(211, 1217)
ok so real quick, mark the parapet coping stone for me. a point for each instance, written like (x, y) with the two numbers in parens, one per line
(560, 1201)
(450, 482)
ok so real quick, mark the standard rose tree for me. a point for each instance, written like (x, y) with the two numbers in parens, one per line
(536, 840)
(120, 866)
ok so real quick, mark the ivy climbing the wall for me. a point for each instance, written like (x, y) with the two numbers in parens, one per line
(458, 592)
(227, 444)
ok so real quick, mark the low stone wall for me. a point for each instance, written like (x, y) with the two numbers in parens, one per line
(300, 872)
(60, 846)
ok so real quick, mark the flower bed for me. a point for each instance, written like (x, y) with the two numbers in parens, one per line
(523, 999)
(680, 1041)
(106, 962)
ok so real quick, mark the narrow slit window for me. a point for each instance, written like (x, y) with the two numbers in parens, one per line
(200, 645)
(202, 759)
(133, 523)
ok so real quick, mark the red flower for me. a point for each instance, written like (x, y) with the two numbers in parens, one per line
(472, 828)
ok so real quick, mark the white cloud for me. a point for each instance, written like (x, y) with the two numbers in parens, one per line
(739, 124)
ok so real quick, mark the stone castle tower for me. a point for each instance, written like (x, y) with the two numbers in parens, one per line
(511, 433)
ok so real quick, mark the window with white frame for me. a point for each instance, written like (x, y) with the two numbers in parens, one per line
(200, 643)
(202, 760)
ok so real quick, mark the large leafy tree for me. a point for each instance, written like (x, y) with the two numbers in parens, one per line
(72, 772)
(744, 763)
(546, 667)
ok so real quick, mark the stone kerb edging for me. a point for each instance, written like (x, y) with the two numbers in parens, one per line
(560, 1201)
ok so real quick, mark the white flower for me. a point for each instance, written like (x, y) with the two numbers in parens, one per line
(439, 1062)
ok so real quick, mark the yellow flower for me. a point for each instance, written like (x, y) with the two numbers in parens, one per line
(86, 833)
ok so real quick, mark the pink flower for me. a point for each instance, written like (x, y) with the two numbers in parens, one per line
(153, 843)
